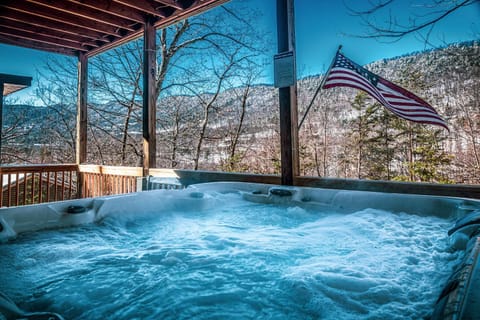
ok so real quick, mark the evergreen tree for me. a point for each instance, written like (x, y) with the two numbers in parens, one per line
(430, 158)
(360, 134)
(420, 146)
(382, 145)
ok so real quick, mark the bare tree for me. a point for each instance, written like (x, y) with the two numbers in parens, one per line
(116, 76)
(311, 132)
(235, 116)
(206, 55)
(57, 83)
(181, 67)
(17, 128)
(423, 19)
(466, 93)
(175, 125)
(208, 103)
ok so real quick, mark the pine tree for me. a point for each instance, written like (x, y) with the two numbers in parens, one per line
(382, 145)
(420, 146)
(360, 134)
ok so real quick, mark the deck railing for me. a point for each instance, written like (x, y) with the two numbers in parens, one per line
(99, 181)
(31, 184)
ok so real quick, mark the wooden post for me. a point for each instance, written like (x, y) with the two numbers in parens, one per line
(81, 142)
(149, 97)
(287, 96)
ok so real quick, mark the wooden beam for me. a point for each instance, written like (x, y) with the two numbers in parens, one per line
(102, 24)
(47, 13)
(293, 92)
(39, 38)
(114, 8)
(81, 139)
(82, 11)
(197, 8)
(149, 96)
(172, 3)
(51, 33)
(23, 17)
(147, 6)
(14, 41)
(161, 23)
(38, 168)
(111, 170)
(287, 97)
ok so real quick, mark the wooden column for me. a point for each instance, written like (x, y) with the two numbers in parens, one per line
(149, 97)
(287, 96)
(81, 142)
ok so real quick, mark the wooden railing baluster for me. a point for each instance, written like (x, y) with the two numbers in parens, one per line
(31, 184)
(24, 193)
(62, 197)
(17, 186)
(55, 185)
(32, 189)
(48, 188)
(9, 190)
(40, 187)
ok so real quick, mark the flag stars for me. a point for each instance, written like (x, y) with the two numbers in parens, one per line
(343, 62)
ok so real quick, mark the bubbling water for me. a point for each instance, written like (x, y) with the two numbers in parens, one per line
(239, 261)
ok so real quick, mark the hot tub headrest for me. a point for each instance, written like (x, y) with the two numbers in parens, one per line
(469, 220)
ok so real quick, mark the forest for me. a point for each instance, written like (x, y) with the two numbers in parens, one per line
(213, 112)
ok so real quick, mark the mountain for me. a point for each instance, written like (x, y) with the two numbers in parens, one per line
(448, 78)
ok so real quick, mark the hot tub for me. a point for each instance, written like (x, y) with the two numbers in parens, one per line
(242, 251)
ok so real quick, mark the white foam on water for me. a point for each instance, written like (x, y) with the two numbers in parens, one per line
(240, 261)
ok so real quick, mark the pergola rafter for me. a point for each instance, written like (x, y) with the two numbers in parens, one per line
(89, 27)
(83, 28)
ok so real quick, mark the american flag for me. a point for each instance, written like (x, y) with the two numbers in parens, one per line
(346, 73)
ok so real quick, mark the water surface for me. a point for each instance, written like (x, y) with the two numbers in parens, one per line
(240, 261)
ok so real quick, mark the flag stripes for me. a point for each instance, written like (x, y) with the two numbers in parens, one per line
(346, 73)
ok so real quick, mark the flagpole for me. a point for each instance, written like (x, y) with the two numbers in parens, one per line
(319, 88)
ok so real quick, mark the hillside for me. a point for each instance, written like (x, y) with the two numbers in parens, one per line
(241, 131)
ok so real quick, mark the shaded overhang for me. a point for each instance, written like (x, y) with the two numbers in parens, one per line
(74, 27)
(13, 83)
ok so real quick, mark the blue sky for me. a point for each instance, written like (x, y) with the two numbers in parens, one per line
(323, 25)
(320, 27)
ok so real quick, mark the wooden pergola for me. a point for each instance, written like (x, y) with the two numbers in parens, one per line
(88, 27)
(84, 28)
